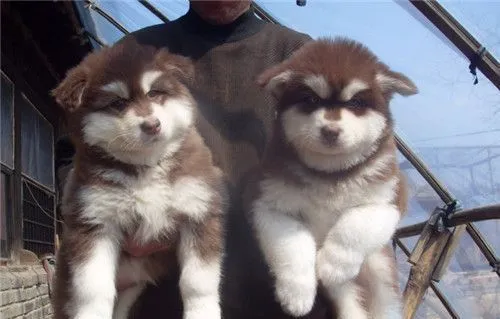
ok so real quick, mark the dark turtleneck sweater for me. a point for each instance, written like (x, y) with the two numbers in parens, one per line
(234, 114)
(235, 119)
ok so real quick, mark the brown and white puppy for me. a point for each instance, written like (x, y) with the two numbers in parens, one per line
(143, 172)
(330, 193)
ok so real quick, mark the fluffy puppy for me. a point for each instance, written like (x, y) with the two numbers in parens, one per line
(141, 172)
(330, 193)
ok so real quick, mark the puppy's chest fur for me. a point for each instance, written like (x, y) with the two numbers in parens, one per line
(319, 202)
(148, 205)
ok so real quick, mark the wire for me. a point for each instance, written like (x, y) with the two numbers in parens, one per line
(38, 204)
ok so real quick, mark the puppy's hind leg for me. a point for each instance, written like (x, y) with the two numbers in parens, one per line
(200, 258)
(126, 300)
(385, 299)
(347, 300)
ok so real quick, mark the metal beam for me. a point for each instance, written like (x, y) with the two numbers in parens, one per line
(474, 215)
(263, 14)
(154, 11)
(91, 5)
(485, 248)
(461, 38)
(459, 218)
(94, 37)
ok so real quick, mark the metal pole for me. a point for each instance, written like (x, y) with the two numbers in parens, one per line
(91, 5)
(154, 11)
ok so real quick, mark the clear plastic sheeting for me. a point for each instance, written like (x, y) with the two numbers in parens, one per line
(410, 242)
(37, 141)
(431, 307)
(480, 18)
(97, 25)
(491, 230)
(172, 9)
(469, 284)
(129, 13)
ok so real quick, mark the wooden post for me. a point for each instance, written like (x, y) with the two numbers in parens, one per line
(421, 273)
(448, 253)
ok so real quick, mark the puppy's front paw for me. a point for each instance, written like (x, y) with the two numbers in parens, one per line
(296, 294)
(336, 265)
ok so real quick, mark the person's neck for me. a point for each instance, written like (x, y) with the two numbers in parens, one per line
(246, 24)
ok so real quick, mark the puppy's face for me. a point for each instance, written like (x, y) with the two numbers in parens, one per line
(129, 100)
(333, 99)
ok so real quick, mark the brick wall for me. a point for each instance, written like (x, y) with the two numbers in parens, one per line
(24, 292)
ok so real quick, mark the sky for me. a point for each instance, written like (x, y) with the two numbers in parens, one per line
(453, 125)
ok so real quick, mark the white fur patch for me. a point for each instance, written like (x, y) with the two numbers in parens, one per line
(358, 233)
(148, 78)
(146, 199)
(199, 281)
(93, 281)
(353, 88)
(192, 197)
(123, 138)
(355, 142)
(119, 88)
(319, 85)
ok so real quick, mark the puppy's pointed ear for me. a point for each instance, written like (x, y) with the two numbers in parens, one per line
(274, 79)
(393, 82)
(69, 93)
(180, 66)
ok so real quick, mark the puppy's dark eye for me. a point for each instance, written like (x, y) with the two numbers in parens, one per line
(118, 104)
(155, 93)
(356, 102)
(311, 99)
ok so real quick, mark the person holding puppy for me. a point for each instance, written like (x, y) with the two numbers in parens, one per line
(229, 46)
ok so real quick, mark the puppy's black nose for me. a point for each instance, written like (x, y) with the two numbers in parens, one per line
(329, 134)
(151, 126)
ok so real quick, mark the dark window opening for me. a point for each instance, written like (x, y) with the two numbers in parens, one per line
(38, 219)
